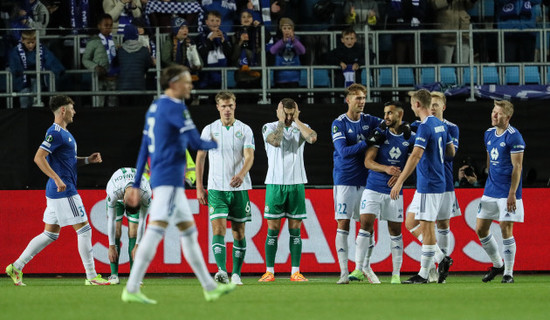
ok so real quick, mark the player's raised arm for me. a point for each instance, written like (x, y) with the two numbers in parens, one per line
(309, 135)
(274, 138)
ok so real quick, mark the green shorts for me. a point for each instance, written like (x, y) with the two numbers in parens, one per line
(285, 201)
(230, 205)
(121, 212)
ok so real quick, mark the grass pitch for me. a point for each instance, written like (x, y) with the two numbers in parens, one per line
(462, 297)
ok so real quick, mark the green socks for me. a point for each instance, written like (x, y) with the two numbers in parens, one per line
(239, 251)
(114, 265)
(218, 247)
(131, 245)
(271, 247)
(295, 245)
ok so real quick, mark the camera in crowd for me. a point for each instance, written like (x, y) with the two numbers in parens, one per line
(467, 176)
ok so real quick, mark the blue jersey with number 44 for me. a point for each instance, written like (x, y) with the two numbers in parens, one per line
(167, 133)
(500, 149)
(433, 137)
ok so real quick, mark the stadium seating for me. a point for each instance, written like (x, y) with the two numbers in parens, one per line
(448, 76)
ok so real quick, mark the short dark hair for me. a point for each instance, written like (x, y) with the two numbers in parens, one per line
(57, 102)
(104, 17)
(347, 31)
(170, 73)
(396, 103)
(423, 96)
(214, 13)
(132, 210)
(288, 103)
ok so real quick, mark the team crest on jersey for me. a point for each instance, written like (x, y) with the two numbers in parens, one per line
(334, 129)
(295, 130)
(238, 134)
(49, 138)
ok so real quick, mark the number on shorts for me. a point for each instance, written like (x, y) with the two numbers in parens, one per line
(341, 208)
(247, 209)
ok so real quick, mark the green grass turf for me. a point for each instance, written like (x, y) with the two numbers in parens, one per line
(462, 297)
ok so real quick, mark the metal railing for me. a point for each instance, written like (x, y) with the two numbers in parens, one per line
(377, 77)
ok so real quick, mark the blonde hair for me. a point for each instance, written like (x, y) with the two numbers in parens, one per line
(423, 96)
(353, 88)
(439, 95)
(225, 95)
(506, 105)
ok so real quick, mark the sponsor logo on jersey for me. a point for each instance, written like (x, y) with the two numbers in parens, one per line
(336, 135)
(439, 129)
(70, 139)
(395, 153)
(266, 209)
(405, 143)
(502, 144)
(334, 129)
(494, 154)
(365, 127)
(350, 131)
(49, 138)
(489, 143)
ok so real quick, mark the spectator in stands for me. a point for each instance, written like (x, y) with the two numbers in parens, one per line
(100, 56)
(517, 14)
(287, 50)
(145, 38)
(405, 15)
(123, 12)
(349, 56)
(467, 176)
(260, 10)
(452, 15)
(34, 15)
(247, 48)
(316, 15)
(23, 58)
(226, 10)
(134, 60)
(215, 49)
(359, 13)
(175, 50)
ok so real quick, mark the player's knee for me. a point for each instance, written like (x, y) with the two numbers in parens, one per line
(410, 224)
(51, 235)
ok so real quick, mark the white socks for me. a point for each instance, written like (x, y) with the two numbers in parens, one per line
(443, 239)
(36, 245)
(144, 255)
(342, 250)
(509, 255)
(491, 247)
(193, 254)
(396, 247)
(426, 261)
(85, 250)
(362, 244)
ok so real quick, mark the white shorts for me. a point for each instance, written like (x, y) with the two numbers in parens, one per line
(495, 209)
(382, 206)
(65, 211)
(170, 204)
(346, 202)
(449, 206)
(426, 206)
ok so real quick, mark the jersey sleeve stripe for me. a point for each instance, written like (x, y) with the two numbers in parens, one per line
(519, 151)
(187, 128)
(420, 146)
(341, 137)
(42, 147)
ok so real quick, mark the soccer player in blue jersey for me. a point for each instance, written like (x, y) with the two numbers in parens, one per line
(385, 160)
(502, 196)
(349, 134)
(57, 158)
(167, 133)
(449, 207)
(431, 145)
